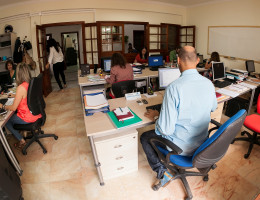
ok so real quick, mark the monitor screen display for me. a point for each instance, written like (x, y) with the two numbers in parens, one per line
(155, 61)
(5, 78)
(250, 66)
(218, 70)
(106, 64)
(201, 59)
(167, 76)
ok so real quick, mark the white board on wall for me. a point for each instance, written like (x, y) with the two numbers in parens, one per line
(239, 42)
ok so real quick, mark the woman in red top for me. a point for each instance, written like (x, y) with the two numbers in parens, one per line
(142, 56)
(23, 115)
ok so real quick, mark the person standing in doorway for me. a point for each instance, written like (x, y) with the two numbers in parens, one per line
(57, 59)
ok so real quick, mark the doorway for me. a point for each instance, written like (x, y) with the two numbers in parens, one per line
(138, 37)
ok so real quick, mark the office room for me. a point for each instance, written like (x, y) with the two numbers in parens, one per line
(74, 165)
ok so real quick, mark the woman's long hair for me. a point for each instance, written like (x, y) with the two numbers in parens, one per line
(145, 55)
(214, 57)
(118, 59)
(53, 43)
(22, 73)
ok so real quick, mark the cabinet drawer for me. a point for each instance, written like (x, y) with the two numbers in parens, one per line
(116, 146)
(120, 169)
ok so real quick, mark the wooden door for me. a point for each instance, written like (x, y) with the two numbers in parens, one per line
(139, 41)
(42, 59)
(91, 44)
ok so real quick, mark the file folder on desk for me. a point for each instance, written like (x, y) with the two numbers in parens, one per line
(126, 123)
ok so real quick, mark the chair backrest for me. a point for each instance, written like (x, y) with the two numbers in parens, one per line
(121, 88)
(258, 104)
(215, 147)
(35, 99)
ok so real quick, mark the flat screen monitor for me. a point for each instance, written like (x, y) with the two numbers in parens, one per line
(167, 76)
(201, 59)
(5, 78)
(250, 66)
(218, 70)
(106, 64)
(155, 61)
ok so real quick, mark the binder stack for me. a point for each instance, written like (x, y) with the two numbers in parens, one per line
(95, 102)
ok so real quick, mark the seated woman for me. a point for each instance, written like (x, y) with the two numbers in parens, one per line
(23, 115)
(142, 56)
(9, 65)
(120, 70)
(213, 58)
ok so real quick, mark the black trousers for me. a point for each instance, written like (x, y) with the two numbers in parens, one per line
(58, 69)
(151, 154)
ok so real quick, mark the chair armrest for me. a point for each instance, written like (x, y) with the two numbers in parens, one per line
(164, 142)
(215, 123)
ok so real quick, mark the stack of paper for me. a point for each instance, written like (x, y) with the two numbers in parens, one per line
(123, 114)
(95, 102)
(137, 70)
(95, 78)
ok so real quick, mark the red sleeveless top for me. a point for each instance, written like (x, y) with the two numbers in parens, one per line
(23, 111)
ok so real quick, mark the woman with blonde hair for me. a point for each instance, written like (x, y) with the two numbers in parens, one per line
(23, 115)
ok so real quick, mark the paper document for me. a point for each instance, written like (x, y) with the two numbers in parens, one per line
(95, 78)
(121, 111)
(248, 85)
(228, 92)
(149, 96)
(95, 101)
(237, 87)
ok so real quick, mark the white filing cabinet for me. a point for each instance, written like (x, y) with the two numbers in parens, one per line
(117, 153)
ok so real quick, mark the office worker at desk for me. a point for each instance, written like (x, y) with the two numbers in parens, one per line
(23, 115)
(214, 57)
(9, 65)
(185, 113)
(174, 54)
(120, 70)
(142, 57)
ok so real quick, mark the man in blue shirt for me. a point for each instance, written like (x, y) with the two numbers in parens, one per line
(185, 112)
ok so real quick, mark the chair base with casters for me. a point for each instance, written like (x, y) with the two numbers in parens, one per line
(252, 139)
(36, 134)
(204, 158)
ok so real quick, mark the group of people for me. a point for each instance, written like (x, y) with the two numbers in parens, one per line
(21, 76)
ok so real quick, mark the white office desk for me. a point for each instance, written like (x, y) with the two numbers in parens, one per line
(6, 145)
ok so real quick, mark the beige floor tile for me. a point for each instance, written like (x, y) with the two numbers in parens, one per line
(40, 191)
(66, 127)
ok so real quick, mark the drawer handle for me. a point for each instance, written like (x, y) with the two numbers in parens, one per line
(120, 168)
(119, 158)
(118, 146)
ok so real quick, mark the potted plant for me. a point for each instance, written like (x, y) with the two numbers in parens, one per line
(126, 38)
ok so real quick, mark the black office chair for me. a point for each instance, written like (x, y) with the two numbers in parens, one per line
(204, 158)
(36, 105)
(122, 87)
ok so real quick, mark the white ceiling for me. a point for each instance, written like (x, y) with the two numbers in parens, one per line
(185, 3)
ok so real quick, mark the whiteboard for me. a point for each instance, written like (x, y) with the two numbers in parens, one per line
(241, 42)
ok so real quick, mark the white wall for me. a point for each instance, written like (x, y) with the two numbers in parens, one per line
(224, 13)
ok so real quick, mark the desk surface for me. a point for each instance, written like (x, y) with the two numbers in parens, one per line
(100, 123)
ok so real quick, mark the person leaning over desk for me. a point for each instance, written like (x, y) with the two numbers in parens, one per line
(142, 57)
(23, 115)
(174, 54)
(9, 65)
(185, 112)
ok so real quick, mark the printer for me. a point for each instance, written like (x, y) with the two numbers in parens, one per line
(240, 71)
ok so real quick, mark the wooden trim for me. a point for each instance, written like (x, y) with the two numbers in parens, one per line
(63, 24)
(84, 43)
(123, 22)
(234, 26)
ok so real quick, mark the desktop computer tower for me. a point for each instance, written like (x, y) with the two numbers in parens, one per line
(236, 104)
(10, 184)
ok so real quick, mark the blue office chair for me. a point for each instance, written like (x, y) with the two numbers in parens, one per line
(204, 158)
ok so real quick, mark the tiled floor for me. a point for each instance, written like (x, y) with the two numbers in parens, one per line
(67, 171)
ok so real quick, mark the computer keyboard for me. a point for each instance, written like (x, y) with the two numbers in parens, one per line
(155, 107)
(3, 101)
(222, 84)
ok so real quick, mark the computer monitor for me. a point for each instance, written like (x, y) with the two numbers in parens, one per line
(167, 76)
(106, 64)
(218, 70)
(250, 66)
(5, 78)
(155, 61)
(201, 59)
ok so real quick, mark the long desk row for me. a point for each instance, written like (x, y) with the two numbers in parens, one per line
(115, 150)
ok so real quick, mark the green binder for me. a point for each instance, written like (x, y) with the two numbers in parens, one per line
(121, 124)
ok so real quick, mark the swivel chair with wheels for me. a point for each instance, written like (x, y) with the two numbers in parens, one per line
(36, 105)
(204, 158)
(121, 88)
(252, 122)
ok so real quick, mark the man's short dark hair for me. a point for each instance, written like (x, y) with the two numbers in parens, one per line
(187, 56)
